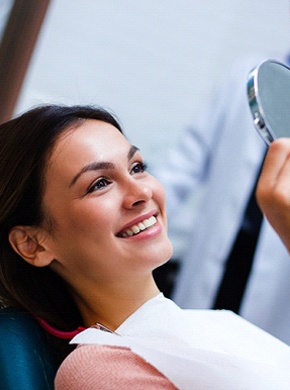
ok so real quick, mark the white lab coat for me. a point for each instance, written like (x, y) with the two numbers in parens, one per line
(222, 154)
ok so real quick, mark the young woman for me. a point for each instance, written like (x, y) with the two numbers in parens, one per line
(83, 225)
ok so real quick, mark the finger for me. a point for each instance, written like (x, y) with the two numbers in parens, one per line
(273, 184)
(276, 158)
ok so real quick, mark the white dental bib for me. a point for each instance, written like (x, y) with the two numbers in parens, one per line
(203, 349)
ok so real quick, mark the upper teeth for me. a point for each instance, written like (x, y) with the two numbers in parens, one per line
(135, 229)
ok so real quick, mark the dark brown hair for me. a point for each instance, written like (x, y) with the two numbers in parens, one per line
(25, 144)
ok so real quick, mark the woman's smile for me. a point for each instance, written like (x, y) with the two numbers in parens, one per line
(140, 224)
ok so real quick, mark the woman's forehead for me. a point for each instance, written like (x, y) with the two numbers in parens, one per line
(92, 141)
(91, 134)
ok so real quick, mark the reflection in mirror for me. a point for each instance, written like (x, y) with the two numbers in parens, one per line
(269, 99)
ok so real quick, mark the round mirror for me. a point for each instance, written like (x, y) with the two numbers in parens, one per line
(269, 98)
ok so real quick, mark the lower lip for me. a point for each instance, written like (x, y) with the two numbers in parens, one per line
(148, 233)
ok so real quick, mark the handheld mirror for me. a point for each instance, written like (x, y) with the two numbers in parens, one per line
(268, 90)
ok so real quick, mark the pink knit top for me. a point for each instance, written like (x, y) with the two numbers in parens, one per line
(91, 367)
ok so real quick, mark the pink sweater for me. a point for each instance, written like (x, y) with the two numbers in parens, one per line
(91, 367)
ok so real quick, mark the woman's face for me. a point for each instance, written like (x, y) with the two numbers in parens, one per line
(108, 213)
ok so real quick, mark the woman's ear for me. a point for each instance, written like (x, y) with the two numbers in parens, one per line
(29, 243)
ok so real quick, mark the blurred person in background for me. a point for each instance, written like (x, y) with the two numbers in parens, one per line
(244, 267)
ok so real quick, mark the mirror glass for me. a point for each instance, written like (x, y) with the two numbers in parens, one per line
(269, 98)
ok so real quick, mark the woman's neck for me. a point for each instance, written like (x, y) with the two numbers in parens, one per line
(111, 305)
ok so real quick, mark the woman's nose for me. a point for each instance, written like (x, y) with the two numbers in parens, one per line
(136, 193)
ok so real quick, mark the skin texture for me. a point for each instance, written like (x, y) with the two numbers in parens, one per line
(273, 190)
(95, 187)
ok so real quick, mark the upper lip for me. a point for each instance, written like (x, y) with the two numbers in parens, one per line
(137, 220)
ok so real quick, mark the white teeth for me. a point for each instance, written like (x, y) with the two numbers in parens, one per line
(150, 221)
(147, 223)
(135, 229)
(141, 226)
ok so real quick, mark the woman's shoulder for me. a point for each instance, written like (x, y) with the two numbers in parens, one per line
(108, 367)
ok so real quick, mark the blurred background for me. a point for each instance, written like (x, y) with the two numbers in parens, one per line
(152, 62)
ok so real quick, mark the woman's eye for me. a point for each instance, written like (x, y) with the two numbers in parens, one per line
(99, 185)
(139, 168)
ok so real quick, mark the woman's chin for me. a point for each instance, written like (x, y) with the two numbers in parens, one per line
(165, 252)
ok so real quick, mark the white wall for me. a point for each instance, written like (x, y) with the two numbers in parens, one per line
(153, 62)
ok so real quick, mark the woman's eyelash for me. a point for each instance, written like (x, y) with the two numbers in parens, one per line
(101, 183)
(140, 167)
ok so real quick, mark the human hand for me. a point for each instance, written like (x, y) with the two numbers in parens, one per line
(273, 190)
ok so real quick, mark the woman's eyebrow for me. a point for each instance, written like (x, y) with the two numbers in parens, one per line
(132, 151)
(94, 166)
